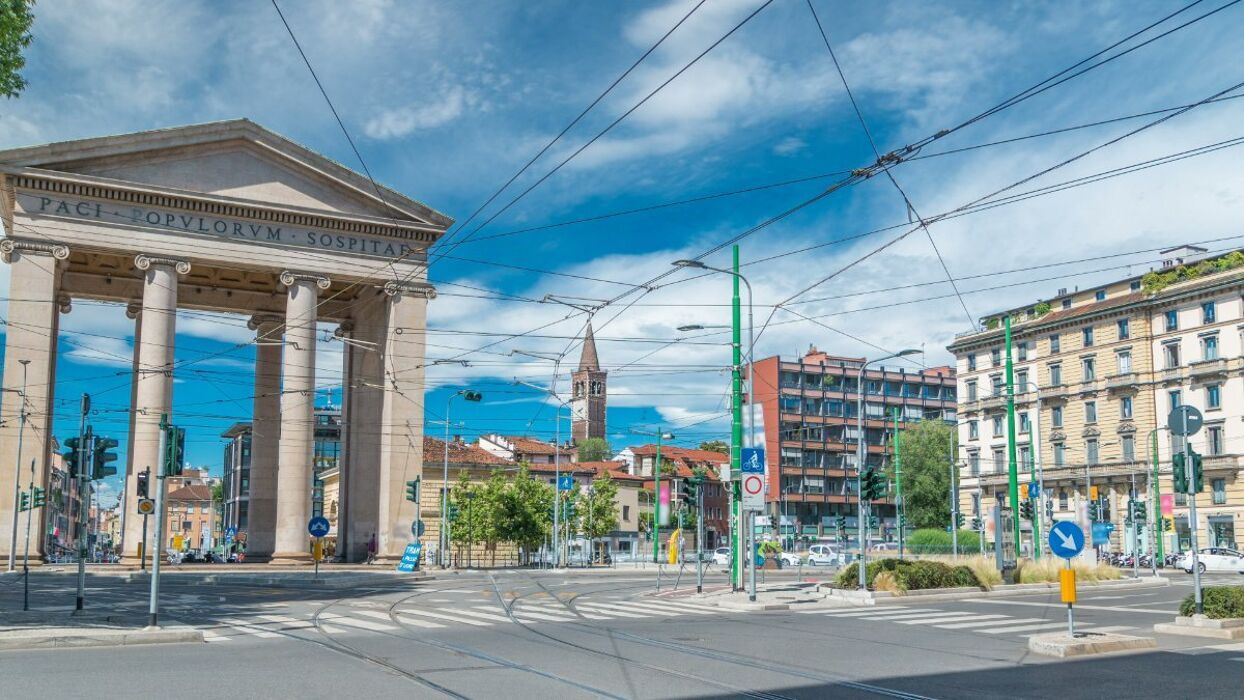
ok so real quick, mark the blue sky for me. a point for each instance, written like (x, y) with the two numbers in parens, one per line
(445, 101)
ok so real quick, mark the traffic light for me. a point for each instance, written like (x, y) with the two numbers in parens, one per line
(978, 524)
(1093, 510)
(472, 395)
(1139, 511)
(691, 490)
(39, 497)
(959, 521)
(1049, 510)
(1168, 524)
(872, 483)
(175, 451)
(841, 524)
(73, 456)
(100, 458)
(412, 491)
(1180, 472)
(142, 489)
(24, 502)
(1198, 483)
(453, 512)
(1025, 510)
(1023, 492)
(873, 522)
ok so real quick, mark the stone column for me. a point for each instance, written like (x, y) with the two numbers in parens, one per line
(30, 351)
(265, 437)
(345, 331)
(131, 521)
(154, 387)
(294, 471)
(401, 442)
(363, 407)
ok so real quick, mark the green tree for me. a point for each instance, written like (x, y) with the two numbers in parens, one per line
(492, 514)
(926, 454)
(526, 513)
(600, 514)
(15, 21)
(716, 446)
(594, 450)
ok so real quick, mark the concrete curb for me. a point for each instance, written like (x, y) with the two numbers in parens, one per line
(55, 638)
(867, 598)
(1202, 626)
(1063, 646)
(276, 580)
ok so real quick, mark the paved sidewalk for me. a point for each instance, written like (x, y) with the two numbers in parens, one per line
(47, 630)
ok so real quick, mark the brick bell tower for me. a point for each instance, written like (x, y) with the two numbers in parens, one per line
(587, 403)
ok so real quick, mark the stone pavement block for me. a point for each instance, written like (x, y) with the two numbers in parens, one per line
(60, 637)
(1062, 645)
(1202, 626)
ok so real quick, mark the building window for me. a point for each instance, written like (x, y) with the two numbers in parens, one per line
(1100, 295)
(1125, 407)
(1067, 303)
(1125, 361)
(1175, 398)
(1209, 347)
(1089, 367)
(1088, 336)
(1170, 354)
(971, 385)
(999, 461)
(1207, 312)
(1056, 375)
(1023, 351)
(1024, 424)
(974, 431)
(1056, 416)
(971, 361)
(1090, 411)
(1213, 440)
(1054, 344)
(1125, 330)
(997, 386)
(1062, 499)
(1220, 492)
(1172, 321)
(1090, 450)
(1129, 448)
(626, 513)
(1134, 286)
(974, 463)
(997, 426)
(995, 356)
(1021, 381)
(1213, 396)
(1025, 457)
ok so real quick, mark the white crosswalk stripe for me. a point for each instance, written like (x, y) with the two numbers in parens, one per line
(993, 621)
(937, 621)
(837, 612)
(609, 609)
(493, 616)
(443, 616)
(368, 624)
(914, 616)
(1025, 628)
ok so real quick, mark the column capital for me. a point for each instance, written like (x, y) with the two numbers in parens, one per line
(56, 250)
(399, 287)
(133, 310)
(143, 262)
(258, 321)
(288, 278)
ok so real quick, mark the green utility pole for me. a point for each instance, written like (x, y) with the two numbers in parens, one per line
(898, 483)
(1157, 496)
(736, 429)
(1012, 467)
(656, 514)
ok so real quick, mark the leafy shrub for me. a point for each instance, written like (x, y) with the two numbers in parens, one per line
(909, 575)
(1220, 603)
(933, 541)
(1154, 282)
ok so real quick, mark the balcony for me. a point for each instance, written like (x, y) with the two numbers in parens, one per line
(1172, 374)
(1208, 369)
(993, 402)
(1054, 391)
(1120, 382)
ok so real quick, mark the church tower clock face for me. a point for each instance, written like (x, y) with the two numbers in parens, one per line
(578, 410)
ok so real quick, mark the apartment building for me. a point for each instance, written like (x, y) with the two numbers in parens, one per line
(1096, 373)
(812, 461)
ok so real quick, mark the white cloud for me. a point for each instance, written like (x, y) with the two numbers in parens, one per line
(403, 121)
(789, 146)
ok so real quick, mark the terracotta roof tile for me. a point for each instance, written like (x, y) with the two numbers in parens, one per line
(193, 492)
(531, 446)
(459, 453)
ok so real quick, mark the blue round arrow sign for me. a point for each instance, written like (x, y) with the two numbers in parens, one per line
(1066, 539)
(318, 526)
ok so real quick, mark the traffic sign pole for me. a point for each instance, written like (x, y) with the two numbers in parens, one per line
(1066, 541)
(1188, 430)
(153, 610)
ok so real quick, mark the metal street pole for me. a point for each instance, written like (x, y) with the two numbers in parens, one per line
(17, 482)
(1012, 467)
(153, 610)
(656, 514)
(699, 538)
(1132, 501)
(898, 482)
(954, 494)
(1192, 519)
(84, 501)
(444, 534)
(1157, 499)
(1036, 474)
(26, 557)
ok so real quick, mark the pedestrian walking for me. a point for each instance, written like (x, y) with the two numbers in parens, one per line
(371, 549)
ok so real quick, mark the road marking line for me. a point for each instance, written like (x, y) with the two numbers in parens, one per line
(916, 616)
(482, 615)
(1025, 628)
(563, 611)
(659, 608)
(369, 625)
(1063, 606)
(288, 623)
(438, 616)
(248, 628)
(989, 623)
(544, 617)
(688, 606)
(940, 620)
(1238, 646)
(210, 636)
(858, 613)
(603, 609)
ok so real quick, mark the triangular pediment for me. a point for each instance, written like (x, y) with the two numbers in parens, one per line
(236, 159)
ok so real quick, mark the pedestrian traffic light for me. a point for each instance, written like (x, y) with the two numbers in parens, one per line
(873, 522)
(73, 456)
(39, 497)
(1049, 510)
(1180, 473)
(174, 451)
(24, 502)
(100, 469)
(142, 489)
(412, 491)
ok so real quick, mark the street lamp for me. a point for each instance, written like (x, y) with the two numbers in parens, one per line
(467, 395)
(751, 395)
(861, 456)
(557, 457)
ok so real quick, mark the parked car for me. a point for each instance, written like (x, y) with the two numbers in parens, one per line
(790, 559)
(825, 555)
(1214, 559)
(885, 547)
(721, 556)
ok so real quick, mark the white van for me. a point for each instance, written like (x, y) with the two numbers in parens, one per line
(825, 555)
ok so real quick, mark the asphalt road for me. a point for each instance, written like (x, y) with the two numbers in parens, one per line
(546, 635)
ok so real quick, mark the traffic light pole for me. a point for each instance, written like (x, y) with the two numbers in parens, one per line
(898, 483)
(1192, 521)
(17, 482)
(153, 610)
(26, 557)
(83, 503)
(1012, 465)
(1157, 500)
(699, 538)
(142, 560)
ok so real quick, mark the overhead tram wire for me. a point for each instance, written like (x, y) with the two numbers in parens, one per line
(911, 207)
(571, 125)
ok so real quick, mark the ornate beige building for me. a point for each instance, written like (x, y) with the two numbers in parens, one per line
(228, 217)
